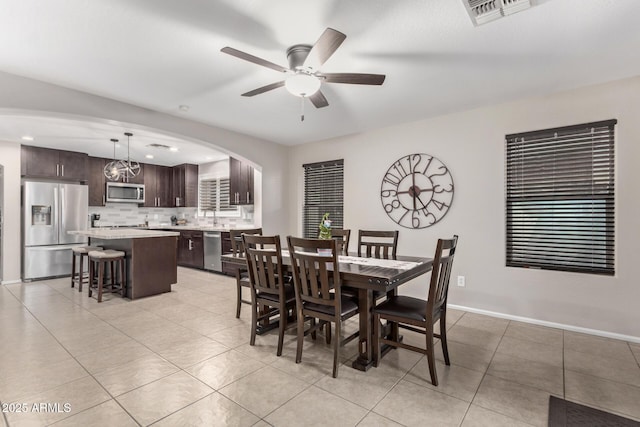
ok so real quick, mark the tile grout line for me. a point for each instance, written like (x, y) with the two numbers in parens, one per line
(91, 375)
(484, 375)
(180, 369)
(74, 358)
(402, 378)
(634, 354)
(188, 373)
(4, 416)
(392, 388)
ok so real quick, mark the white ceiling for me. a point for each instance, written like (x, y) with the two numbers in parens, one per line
(160, 54)
(94, 138)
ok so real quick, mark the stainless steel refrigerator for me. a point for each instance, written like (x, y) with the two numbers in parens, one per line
(50, 210)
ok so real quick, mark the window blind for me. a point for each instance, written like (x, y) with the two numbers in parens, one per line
(223, 188)
(560, 198)
(323, 192)
(214, 195)
(208, 194)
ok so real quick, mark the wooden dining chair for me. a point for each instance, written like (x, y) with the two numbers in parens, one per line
(420, 315)
(318, 292)
(378, 244)
(271, 293)
(242, 275)
(341, 236)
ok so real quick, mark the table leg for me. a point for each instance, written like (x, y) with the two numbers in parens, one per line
(395, 330)
(365, 357)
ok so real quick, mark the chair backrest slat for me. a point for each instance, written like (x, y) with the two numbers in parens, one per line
(441, 275)
(264, 259)
(378, 244)
(315, 274)
(342, 237)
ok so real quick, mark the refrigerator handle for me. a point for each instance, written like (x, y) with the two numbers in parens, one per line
(62, 167)
(62, 202)
(57, 169)
(56, 206)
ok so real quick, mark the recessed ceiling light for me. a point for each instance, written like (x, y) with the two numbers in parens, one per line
(27, 138)
(184, 108)
(208, 158)
(149, 156)
(174, 149)
(117, 145)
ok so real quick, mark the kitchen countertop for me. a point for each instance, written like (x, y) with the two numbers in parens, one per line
(197, 227)
(122, 233)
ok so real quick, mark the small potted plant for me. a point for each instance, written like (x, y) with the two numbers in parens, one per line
(325, 233)
(325, 227)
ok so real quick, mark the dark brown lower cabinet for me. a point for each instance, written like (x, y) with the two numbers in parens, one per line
(229, 270)
(191, 249)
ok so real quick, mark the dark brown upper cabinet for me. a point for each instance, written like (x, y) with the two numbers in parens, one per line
(39, 162)
(158, 186)
(97, 181)
(185, 186)
(240, 182)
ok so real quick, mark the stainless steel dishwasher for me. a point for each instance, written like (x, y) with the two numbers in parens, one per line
(212, 250)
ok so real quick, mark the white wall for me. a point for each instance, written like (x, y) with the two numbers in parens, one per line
(11, 244)
(471, 144)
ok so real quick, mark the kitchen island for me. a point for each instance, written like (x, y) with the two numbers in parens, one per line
(151, 257)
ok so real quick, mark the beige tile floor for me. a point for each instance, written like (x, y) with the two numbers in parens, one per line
(183, 359)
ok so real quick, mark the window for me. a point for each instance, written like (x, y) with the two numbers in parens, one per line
(214, 195)
(560, 198)
(323, 192)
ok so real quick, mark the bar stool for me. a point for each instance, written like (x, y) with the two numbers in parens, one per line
(114, 259)
(80, 276)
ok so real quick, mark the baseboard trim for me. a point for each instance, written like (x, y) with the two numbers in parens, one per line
(10, 282)
(571, 328)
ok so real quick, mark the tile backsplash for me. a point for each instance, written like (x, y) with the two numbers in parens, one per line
(117, 214)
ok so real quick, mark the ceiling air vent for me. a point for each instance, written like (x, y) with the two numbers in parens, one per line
(483, 11)
(165, 147)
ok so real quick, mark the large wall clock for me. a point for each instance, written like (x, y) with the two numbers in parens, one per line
(417, 191)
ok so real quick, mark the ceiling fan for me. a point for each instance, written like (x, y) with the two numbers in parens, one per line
(303, 78)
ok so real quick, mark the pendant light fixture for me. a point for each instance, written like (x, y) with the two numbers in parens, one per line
(125, 169)
(111, 170)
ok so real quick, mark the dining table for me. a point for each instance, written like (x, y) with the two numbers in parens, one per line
(368, 277)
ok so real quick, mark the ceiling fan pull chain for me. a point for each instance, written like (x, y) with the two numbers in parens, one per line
(302, 108)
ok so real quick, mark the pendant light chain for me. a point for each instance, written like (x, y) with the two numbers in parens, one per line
(131, 169)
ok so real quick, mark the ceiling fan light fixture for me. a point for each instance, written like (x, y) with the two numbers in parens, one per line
(302, 84)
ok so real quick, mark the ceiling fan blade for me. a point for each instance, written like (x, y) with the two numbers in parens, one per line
(353, 78)
(264, 89)
(328, 42)
(318, 100)
(248, 57)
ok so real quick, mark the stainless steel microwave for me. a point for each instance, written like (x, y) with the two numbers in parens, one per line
(125, 192)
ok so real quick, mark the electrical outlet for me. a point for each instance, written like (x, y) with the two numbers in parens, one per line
(461, 281)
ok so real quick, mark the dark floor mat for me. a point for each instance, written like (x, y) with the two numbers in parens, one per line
(563, 413)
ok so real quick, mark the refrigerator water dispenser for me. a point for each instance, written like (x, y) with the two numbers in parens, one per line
(40, 215)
